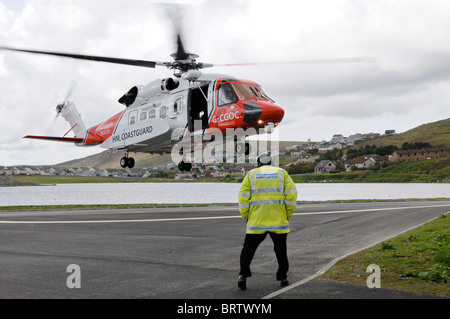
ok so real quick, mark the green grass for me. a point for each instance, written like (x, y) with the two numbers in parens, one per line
(430, 171)
(371, 177)
(436, 133)
(434, 166)
(417, 261)
(327, 178)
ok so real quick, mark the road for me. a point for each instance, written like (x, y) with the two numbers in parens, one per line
(184, 252)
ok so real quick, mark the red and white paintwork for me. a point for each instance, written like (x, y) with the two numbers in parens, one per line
(133, 131)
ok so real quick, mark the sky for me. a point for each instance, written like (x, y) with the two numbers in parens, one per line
(406, 85)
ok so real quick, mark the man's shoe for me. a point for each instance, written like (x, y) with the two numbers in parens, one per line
(284, 283)
(242, 282)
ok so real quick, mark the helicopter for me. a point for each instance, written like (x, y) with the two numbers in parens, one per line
(160, 114)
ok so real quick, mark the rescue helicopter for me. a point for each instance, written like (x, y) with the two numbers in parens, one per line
(153, 112)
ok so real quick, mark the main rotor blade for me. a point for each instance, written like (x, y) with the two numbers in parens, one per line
(140, 63)
(181, 53)
(309, 61)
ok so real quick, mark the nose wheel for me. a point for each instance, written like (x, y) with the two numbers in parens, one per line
(182, 166)
(127, 161)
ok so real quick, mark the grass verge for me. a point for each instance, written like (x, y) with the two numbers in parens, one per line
(417, 261)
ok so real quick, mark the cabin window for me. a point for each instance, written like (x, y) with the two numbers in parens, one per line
(178, 106)
(152, 114)
(163, 112)
(143, 116)
(226, 95)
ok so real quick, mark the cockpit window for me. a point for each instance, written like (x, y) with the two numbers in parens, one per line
(232, 92)
(226, 95)
(263, 93)
(245, 91)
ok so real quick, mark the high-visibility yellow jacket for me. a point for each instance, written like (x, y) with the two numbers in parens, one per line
(267, 199)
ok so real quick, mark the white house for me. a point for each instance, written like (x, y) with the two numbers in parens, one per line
(324, 166)
(359, 163)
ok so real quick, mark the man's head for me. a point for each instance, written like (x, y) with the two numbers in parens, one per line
(264, 159)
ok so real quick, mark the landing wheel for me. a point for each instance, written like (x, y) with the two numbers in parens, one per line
(131, 162)
(123, 162)
(127, 162)
(182, 166)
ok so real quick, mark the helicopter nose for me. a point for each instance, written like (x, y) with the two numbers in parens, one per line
(262, 113)
(272, 114)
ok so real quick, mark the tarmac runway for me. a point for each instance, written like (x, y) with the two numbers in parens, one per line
(191, 252)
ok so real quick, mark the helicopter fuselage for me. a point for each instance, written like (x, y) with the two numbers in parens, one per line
(209, 103)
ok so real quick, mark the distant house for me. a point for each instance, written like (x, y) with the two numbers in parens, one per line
(378, 158)
(298, 153)
(359, 163)
(114, 172)
(212, 173)
(48, 171)
(232, 172)
(389, 132)
(324, 166)
(246, 169)
(329, 147)
(338, 138)
(32, 171)
(308, 158)
(354, 138)
(420, 154)
(136, 172)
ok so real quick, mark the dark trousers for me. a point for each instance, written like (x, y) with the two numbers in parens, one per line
(252, 242)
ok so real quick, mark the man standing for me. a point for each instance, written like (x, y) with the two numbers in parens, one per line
(267, 199)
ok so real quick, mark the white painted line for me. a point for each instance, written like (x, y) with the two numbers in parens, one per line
(112, 221)
(372, 209)
(199, 218)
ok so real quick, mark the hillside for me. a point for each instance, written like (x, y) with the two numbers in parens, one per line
(435, 133)
(108, 159)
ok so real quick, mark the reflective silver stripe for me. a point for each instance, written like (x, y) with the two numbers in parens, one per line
(290, 203)
(252, 178)
(291, 191)
(244, 205)
(267, 227)
(264, 202)
(244, 194)
(266, 176)
(267, 190)
(281, 178)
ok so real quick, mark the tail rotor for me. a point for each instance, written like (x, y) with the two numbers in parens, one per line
(61, 106)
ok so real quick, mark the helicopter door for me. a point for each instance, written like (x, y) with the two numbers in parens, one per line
(198, 108)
